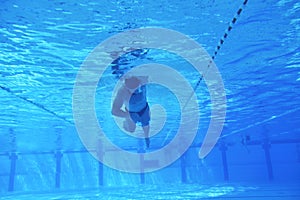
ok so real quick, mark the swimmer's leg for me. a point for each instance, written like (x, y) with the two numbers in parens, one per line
(129, 125)
(146, 132)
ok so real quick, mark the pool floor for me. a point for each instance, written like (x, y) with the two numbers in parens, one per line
(171, 191)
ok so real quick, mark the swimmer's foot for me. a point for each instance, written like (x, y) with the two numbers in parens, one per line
(147, 140)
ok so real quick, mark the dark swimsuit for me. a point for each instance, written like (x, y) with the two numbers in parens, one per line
(137, 99)
(141, 112)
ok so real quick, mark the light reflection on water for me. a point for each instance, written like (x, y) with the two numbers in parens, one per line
(44, 44)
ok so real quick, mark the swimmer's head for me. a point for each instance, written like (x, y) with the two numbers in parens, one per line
(132, 82)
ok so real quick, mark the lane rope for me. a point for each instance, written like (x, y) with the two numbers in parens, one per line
(217, 49)
(223, 38)
(36, 104)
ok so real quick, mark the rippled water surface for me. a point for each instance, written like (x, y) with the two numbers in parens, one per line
(43, 44)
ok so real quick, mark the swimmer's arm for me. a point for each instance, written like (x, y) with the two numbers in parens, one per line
(144, 79)
(117, 105)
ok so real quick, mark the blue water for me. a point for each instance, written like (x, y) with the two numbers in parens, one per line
(43, 45)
